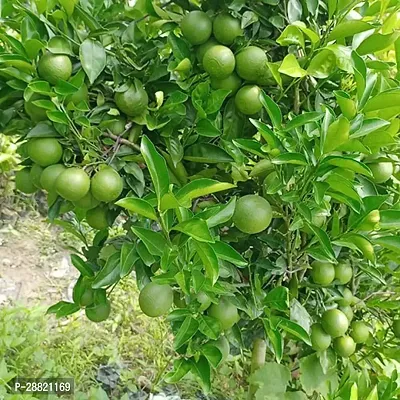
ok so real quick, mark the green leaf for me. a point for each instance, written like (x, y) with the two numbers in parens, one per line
(338, 134)
(201, 368)
(224, 214)
(93, 58)
(181, 368)
(205, 128)
(313, 379)
(303, 119)
(349, 28)
(58, 117)
(391, 243)
(273, 110)
(63, 309)
(277, 298)
(368, 126)
(109, 274)
(226, 252)
(373, 394)
(154, 241)
(322, 65)
(215, 100)
(348, 163)
(195, 228)
(266, 133)
(314, 38)
(138, 206)
(276, 340)
(198, 188)
(69, 6)
(81, 266)
(179, 47)
(207, 153)
(212, 353)
(377, 42)
(249, 145)
(383, 100)
(157, 168)
(324, 240)
(41, 87)
(129, 256)
(210, 327)
(46, 104)
(209, 259)
(60, 45)
(64, 88)
(390, 219)
(42, 129)
(291, 35)
(291, 327)
(271, 378)
(290, 66)
(187, 330)
(290, 158)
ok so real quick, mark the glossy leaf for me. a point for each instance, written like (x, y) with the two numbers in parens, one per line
(201, 368)
(273, 110)
(226, 252)
(83, 267)
(187, 330)
(377, 42)
(181, 369)
(322, 64)
(209, 259)
(207, 153)
(93, 58)
(109, 274)
(154, 241)
(195, 228)
(391, 243)
(348, 163)
(303, 119)
(290, 66)
(349, 28)
(210, 327)
(128, 258)
(138, 206)
(290, 158)
(277, 298)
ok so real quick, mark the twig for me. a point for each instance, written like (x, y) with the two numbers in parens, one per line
(122, 140)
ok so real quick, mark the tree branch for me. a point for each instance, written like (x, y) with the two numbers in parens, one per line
(122, 140)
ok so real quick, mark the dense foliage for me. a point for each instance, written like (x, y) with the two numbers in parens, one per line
(250, 149)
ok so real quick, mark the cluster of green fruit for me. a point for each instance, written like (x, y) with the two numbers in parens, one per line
(156, 300)
(72, 184)
(335, 322)
(224, 67)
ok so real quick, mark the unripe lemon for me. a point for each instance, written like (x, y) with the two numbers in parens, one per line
(232, 83)
(132, 102)
(225, 312)
(203, 48)
(381, 171)
(196, 27)
(45, 151)
(219, 62)
(335, 323)
(347, 298)
(36, 173)
(344, 346)
(98, 312)
(323, 273)
(156, 300)
(23, 181)
(97, 218)
(226, 28)
(223, 346)
(87, 202)
(53, 67)
(35, 112)
(73, 184)
(50, 175)
(371, 221)
(107, 185)
(247, 100)
(250, 63)
(343, 273)
(320, 340)
(253, 214)
(359, 332)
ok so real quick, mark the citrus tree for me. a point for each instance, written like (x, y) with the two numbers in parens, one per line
(249, 148)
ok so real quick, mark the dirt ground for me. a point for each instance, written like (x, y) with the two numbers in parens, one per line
(34, 266)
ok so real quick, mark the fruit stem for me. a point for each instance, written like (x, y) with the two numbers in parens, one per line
(257, 361)
(122, 140)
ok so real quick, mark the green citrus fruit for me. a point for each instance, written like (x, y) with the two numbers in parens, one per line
(87, 297)
(253, 214)
(115, 124)
(250, 63)
(73, 184)
(262, 169)
(81, 95)
(344, 346)
(323, 273)
(247, 100)
(23, 181)
(204, 301)
(396, 327)
(98, 312)
(381, 171)
(225, 312)
(318, 219)
(132, 102)
(179, 299)
(196, 27)
(223, 346)
(371, 221)
(365, 246)
(320, 340)
(156, 300)
(87, 202)
(53, 67)
(107, 185)
(359, 332)
(50, 175)
(226, 28)
(335, 322)
(219, 62)
(203, 48)
(45, 151)
(347, 298)
(97, 218)
(232, 83)
(35, 112)
(36, 173)
(348, 312)
(343, 273)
